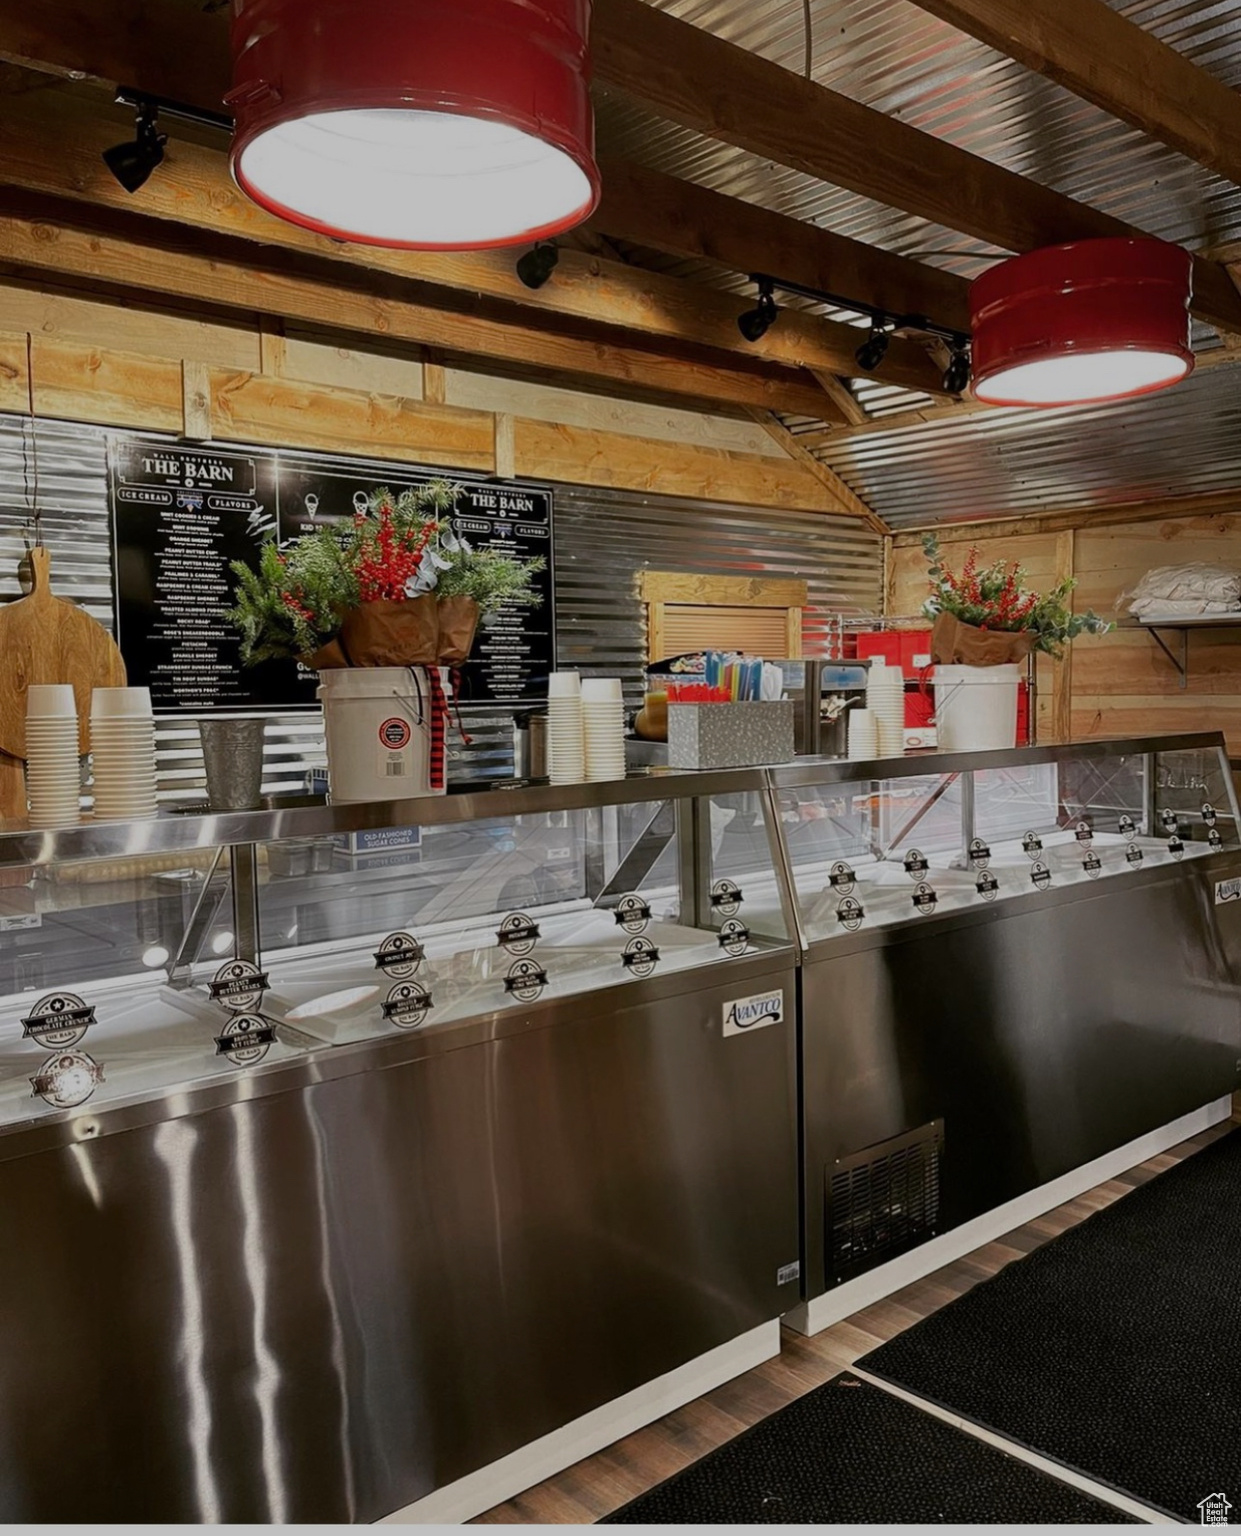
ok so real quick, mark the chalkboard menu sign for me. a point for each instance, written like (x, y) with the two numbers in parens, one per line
(181, 514)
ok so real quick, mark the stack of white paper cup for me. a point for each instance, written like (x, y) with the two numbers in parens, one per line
(122, 746)
(603, 727)
(53, 771)
(885, 699)
(863, 734)
(566, 750)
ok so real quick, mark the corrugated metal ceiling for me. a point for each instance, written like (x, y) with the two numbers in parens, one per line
(896, 58)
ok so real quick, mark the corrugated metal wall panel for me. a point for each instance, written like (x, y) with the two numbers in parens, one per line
(603, 538)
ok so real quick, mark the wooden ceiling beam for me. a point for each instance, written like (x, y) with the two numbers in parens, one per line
(682, 218)
(56, 242)
(53, 143)
(1101, 56)
(718, 89)
(844, 498)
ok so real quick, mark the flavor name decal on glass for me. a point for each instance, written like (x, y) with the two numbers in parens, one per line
(1168, 817)
(1032, 843)
(58, 1020)
(407, 1005)
(924, 899)
(1084, 833)
(980, 854)
(518, 934)
(640, 957)
(399, 956)
(726, 897)
(632, 913)
(1176, 847)
(245, 1039)
(1128, 830)
(238, 985)
(1209, 814)
(734, 937)
(842, 879)
(1214, 838)
(850, 913)
(1133, 855)
(525, 980)
(1093, 865)
(68, 1080)
(1040, 874)
(915, 864)
(987, 885)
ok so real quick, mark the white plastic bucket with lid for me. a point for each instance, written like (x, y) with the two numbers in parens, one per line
(379, 723)
(976, 707)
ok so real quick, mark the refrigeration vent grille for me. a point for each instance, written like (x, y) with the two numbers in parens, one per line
(883, 1200)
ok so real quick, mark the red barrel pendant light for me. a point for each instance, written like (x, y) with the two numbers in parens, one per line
(426, 124)
(1092, 321)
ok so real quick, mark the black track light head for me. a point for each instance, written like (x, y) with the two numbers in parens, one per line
(957, 373)
(132, 162)
(756, 322)
(875, 348)
(538, 263)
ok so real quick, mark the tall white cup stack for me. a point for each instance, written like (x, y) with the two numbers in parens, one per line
(603, 727)
(566, 747)
(885, 699)
(863, 735)
(122, 744)
(53, 770)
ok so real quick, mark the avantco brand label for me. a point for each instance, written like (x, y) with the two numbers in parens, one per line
(407, 1005)
(734, 937)
(639, 957)
(245, 1039)
(1226, 891)
(518, 934)
(395, 734)
(632, 913)
(67, 1080)
(238, 985)
(399, 956)
(525, 980)
(726, 897)
(842, 878)
(744, 1014)
(58, 1020)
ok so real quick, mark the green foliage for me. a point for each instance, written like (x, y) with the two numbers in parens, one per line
(403, 546)
(491, 578)
(995, 597)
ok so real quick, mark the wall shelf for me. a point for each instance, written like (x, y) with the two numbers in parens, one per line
(1182, 627)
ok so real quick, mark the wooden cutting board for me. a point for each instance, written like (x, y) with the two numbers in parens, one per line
(44, 639)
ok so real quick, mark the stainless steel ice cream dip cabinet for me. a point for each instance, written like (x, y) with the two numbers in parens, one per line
(347, 1151)
(1013, 963)
(341, 1156)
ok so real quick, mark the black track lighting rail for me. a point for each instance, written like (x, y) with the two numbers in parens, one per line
(884, 324)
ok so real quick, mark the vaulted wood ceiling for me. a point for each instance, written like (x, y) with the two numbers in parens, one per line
(602, 319)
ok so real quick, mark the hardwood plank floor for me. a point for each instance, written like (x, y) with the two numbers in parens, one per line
(604, 1482)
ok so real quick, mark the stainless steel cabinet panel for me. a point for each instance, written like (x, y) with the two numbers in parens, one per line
(323, 1303)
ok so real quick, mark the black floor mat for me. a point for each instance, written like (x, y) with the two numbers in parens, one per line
(1115, 1348)
(852, 1453)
